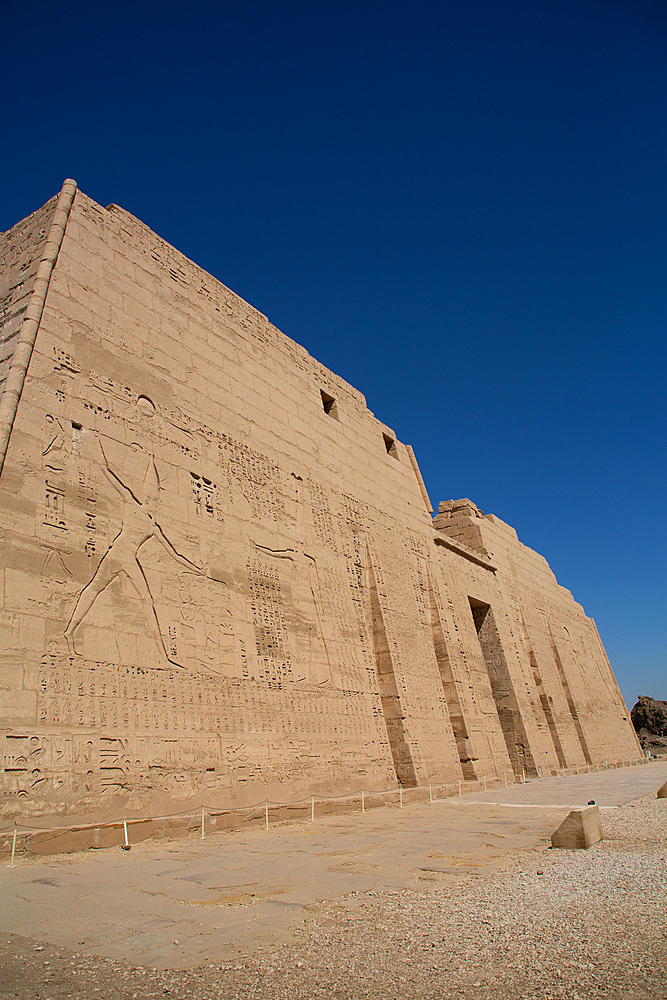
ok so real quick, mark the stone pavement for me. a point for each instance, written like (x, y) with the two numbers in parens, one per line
(607, 788)
(183, 902)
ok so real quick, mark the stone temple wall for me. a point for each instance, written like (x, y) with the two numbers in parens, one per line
(20, 253)
(220, 574)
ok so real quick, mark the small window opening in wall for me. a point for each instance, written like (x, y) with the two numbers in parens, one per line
(329, 404)
(390, 445)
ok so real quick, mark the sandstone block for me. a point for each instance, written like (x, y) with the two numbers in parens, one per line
(662, 791)
(580, 829)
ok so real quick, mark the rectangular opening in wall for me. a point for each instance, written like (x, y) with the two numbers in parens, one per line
(329, 404)
(390, 445)
(502, 688)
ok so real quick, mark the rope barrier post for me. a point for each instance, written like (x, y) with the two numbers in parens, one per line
(505, 777)
(266, 812)
(484, 782)
(126, 845)
(523, 777)
(312, 808)
(202, 822)
(430, 792)
(459, 788)
(12, 865)
(400, 795)
(363, 804)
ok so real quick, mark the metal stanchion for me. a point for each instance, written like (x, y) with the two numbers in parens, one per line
(202, 823)
(400, 796)
(12, 865)
(266, 813)
(363, 804)
(459, 788)
(484, 782)
(312, 809)
(126, 845)
(430, 792)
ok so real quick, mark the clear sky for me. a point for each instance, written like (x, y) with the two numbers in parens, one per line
(458, 206)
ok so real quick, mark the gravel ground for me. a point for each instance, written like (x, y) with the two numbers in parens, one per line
(579, 925)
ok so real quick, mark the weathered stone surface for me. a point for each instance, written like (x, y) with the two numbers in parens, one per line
(21, 250)
(580, 829)
(221, 579)
(662, 791)
(649, 717)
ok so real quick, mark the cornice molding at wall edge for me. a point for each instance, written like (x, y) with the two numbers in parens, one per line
(461, 550)
(13, 387)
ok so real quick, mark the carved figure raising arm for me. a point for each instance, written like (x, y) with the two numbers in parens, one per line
(138, 525)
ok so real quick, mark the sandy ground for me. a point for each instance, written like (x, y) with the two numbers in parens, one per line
(459, 899)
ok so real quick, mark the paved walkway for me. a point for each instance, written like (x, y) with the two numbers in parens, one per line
(607, 788)
(183, 902)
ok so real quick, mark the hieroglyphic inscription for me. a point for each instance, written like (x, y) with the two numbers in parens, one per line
(271, 636)
(258, 476)
(205, 498)
(87, 501)
(327, 524)
(184, 274)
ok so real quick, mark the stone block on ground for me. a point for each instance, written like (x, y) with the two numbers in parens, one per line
(580, 829)
(662, 791)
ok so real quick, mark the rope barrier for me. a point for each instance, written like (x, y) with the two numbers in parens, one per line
(28, 827)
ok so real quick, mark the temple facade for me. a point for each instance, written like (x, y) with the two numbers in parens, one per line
(221, 576)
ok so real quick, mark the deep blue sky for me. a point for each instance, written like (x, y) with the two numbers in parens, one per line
(459, 207)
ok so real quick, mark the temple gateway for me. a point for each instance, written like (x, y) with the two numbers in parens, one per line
(221, 576)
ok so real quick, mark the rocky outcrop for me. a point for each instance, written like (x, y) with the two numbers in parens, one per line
(649, 717)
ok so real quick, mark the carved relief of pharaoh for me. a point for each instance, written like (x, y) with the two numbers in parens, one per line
(138, 513)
